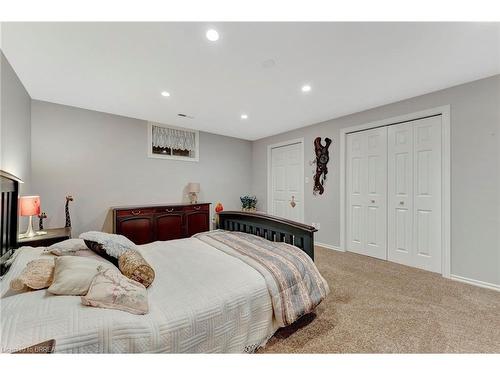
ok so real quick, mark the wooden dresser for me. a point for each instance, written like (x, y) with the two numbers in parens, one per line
(144, 224)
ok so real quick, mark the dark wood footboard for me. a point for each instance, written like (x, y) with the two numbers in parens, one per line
(270, 227)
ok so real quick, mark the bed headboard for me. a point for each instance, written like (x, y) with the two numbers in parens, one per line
(8, 216)
(270, 227)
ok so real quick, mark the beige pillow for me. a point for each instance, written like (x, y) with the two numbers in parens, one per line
(111, 290)
(37, 274)
(73, 275)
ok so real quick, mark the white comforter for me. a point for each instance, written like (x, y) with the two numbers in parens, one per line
(202, 301)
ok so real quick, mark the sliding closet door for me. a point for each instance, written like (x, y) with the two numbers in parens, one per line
(414, 193)
(367, 190)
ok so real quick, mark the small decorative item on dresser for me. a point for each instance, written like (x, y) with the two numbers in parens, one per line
(69, 198)
(42, 216)
(218, 208)
(194, 189)
(248, 203)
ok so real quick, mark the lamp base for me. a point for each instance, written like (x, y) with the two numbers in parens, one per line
(29, 232)
(193, 197)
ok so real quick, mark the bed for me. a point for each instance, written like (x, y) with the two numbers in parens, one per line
(203, 300)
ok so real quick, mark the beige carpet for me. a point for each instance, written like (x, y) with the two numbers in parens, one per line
(380, 307)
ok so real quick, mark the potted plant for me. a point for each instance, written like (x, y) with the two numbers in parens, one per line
(249, 203)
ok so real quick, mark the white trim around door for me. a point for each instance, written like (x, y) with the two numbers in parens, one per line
(444, 111)
(300, 141)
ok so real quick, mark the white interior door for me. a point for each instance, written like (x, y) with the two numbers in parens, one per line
(367, 191)
(287, 182)
(414, 191)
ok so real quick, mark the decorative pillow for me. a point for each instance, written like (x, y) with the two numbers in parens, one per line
(68, 247)
(73, 274)
(134, 266)
(111, 244)
(38, 274)
(111, 290)
(17, 263)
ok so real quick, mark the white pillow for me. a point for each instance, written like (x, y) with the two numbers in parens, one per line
(73, 275)
(113, 244)
(67, 247)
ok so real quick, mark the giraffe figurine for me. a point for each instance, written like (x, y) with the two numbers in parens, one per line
(42, 216)
(69, 198)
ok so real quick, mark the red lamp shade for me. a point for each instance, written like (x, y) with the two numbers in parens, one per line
(29, 205)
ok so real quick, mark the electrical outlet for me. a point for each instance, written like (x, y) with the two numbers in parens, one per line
(318, 226)
(307, 180)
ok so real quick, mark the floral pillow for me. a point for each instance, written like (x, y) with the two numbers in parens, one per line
(111, 290)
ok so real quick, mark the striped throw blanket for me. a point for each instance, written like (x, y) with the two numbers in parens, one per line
(294, 283)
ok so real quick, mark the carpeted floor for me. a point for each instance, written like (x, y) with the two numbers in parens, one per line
(381, 307)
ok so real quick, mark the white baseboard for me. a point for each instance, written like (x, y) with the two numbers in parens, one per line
(482, 284)
(326, 246)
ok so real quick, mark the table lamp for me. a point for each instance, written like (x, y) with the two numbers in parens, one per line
(194, 189)
(29, 206)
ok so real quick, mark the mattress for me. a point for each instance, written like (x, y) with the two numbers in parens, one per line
(202, 301)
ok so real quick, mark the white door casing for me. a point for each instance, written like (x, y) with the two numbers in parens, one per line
(286, 180)
(367, 189)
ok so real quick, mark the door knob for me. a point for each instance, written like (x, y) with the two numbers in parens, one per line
(372, 201)
(292, 202)
(402, 203)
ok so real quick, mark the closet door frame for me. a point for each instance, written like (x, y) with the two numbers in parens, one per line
(444, 111)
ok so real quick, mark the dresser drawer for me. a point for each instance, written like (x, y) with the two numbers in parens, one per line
(135, 212)
(197, 207)
(168, 210)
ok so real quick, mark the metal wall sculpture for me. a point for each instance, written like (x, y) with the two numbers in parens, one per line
(322, 157)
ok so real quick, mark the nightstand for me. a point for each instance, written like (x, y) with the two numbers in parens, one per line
(53, 236)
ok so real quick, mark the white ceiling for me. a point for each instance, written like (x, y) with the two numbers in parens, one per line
(122, 68)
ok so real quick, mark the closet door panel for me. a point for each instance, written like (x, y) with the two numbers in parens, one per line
(367, 191)
(400, 193)
(427, 194)
(376, 200)
(356, 197)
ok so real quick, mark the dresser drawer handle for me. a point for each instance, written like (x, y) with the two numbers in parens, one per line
(135, 213)
(197, 207)
(169, 209)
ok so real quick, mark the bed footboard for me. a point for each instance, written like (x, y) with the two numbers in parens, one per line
(269, 227)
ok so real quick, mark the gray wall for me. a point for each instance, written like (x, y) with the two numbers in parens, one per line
(15, 129)
(101, 159)
(15, 154)
(475, 170)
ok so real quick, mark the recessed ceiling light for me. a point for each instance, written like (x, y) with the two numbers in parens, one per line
(244, 116)
(306, 88)
(212, 35)
(165, 93)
